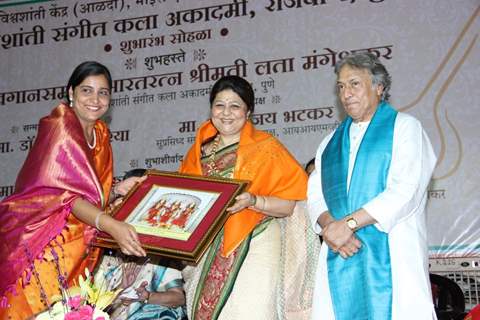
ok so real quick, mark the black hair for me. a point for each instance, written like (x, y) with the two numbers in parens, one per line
(238, 85)
(84, 70)
(134, 173)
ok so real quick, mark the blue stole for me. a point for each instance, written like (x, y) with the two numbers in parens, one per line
(360, 286)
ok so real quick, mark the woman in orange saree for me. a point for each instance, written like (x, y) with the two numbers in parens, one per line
(239, 276)
(60, 193)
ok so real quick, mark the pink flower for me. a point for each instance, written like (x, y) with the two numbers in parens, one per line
(86, 312)
(73, 315)
(83, 313)
(75, 302)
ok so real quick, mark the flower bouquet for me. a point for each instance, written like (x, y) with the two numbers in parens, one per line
(87, 301)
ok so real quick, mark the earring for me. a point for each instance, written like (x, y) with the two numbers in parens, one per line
(71, 102)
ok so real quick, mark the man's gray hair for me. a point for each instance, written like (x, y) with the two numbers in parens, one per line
(370, 62)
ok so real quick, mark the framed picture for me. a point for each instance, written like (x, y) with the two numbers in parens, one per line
(176, 215)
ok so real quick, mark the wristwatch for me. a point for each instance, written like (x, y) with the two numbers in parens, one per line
(352, 223)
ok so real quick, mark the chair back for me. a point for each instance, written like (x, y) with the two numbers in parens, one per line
(448, 298)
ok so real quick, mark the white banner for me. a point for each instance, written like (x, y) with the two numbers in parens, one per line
(166, 54)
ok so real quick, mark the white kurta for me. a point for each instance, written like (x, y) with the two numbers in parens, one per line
(399, 211)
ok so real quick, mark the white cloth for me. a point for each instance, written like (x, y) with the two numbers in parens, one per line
(277, 276)
(400, 211)
(253, 295)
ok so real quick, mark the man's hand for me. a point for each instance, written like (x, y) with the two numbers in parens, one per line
(350, 248)
(340, 238)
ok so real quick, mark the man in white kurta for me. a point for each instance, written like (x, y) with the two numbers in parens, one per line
(398, 210)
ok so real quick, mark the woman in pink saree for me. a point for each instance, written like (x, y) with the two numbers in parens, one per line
(60, 196)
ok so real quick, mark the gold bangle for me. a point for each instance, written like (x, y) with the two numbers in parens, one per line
(254, 200)
(97, 221)
(260, 208)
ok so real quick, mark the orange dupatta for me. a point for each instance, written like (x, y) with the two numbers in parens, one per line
(264, 161)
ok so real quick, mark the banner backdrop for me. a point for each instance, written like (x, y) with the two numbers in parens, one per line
(166, 54)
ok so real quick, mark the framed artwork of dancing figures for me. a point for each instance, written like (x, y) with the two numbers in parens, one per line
(176, 215)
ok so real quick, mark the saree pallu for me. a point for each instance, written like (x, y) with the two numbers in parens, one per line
(243, 262)
(39, 237)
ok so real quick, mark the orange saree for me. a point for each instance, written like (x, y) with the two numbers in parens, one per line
(249, 240)
(41, 241)
(262, 160)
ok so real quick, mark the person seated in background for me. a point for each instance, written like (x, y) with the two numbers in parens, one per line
(152, 287)
(310, 166)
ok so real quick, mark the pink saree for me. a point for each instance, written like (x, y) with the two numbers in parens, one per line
(59, 168)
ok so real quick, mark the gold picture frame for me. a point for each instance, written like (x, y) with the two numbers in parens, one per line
(176, 215)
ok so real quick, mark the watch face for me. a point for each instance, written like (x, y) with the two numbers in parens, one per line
(351, 223)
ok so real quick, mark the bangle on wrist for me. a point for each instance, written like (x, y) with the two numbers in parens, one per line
(97, 221)
(257, 204)
(147, 298)
(254, 202)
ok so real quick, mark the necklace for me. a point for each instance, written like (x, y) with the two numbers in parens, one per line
(92, 146)
(212, 169)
